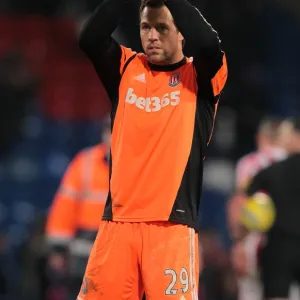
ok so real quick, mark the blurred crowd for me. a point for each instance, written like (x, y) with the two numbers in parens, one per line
(49, 113)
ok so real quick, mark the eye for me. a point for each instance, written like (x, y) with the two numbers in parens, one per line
(145, 27)
(161, 28)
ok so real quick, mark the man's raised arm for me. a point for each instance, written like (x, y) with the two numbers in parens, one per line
(96, 41)
(202, 41)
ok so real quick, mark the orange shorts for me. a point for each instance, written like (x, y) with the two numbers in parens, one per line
(128, 259)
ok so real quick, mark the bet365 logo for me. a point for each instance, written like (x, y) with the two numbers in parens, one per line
(153, 104)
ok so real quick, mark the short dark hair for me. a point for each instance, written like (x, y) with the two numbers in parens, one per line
(152, 4)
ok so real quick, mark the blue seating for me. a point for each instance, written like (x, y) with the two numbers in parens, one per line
(29, 177)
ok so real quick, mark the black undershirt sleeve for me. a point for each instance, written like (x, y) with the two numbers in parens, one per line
(201, 40)
(99, 46)
(203, 44)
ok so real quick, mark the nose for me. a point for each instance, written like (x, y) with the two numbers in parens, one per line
(153, 35)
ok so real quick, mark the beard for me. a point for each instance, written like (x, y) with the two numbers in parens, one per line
(158, 57)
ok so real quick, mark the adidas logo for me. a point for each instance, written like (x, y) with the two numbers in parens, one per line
(141, 78)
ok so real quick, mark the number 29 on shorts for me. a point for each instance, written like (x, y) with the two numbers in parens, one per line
(180, 280)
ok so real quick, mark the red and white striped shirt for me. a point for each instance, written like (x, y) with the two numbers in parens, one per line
(251, 164)
(247, 167)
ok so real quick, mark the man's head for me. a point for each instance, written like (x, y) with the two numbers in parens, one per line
(294, 140)
(285, 134)
(268, 133)
(161, 40)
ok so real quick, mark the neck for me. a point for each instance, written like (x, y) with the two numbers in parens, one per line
(167, 67)
(171, 60)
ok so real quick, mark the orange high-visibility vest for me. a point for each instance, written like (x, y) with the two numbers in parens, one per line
(78, 205)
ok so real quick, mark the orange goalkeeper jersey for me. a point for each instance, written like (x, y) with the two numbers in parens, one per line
(154, 140)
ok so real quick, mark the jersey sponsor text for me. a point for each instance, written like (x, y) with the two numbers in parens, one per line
(153, 104)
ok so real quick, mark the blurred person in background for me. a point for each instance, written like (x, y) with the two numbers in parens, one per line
(76, 213)
(280, 251)
(286, 131)
(270, 148)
